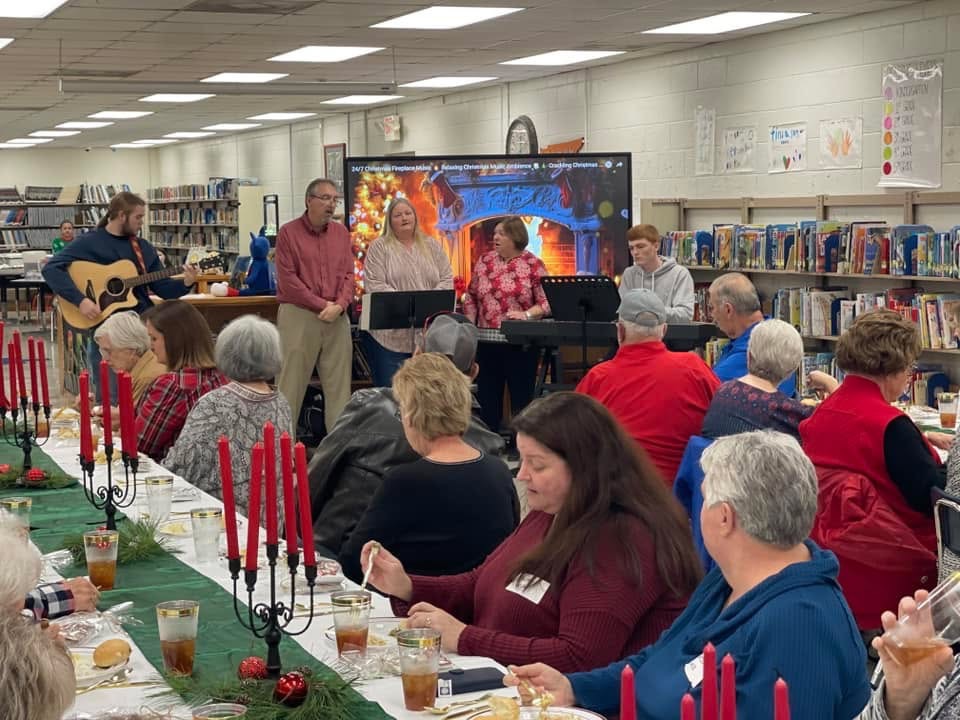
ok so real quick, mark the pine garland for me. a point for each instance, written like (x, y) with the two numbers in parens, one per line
(8, 480)
(137, 542)
(329, 698)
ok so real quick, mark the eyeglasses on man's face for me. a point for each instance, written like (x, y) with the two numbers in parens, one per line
(325, 198)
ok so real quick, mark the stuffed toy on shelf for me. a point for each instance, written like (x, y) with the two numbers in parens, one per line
(259, 279)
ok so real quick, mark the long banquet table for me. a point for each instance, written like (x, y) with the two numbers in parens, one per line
(222, 642)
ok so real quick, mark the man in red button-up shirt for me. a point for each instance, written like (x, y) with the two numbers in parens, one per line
(314, 288)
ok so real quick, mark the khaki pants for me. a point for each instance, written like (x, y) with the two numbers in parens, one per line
(306, 341)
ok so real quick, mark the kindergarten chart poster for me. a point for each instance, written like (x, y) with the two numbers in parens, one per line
(911, 125)
(706, 119)
(841, 143)
(788, 148)
(739, 145)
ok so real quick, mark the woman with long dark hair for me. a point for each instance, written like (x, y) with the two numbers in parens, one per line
(601, 565)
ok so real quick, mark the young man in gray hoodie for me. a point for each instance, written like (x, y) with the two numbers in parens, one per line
(671, 282)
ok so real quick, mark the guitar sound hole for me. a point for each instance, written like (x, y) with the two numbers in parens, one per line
(115, 286)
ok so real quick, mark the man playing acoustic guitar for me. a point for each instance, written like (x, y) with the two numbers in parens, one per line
(116, 238)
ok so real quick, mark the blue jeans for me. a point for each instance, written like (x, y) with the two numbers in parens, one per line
(383, 362)
(93, 365)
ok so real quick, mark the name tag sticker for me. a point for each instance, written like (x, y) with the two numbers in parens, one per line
(533, 592)
(694, 671)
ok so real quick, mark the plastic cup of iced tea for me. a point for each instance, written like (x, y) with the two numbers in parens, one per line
(100, 548)
(933, 625)
(351, 619)
(177, 624)
(419, 664)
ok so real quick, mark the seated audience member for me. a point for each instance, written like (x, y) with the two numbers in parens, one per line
(181, 340)
(754, 401)
(735, 308)
(876, 469)
(442, 514)
(670, 281)
(37, 680)
(659, 396)
(125, 344)
(248, 354)
(601, 565)
(772, 602)
(926, 689)
(347, 468)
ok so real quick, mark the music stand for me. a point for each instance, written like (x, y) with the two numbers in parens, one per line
(583, 299)
(398, 310)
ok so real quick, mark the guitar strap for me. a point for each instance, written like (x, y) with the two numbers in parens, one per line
(135, 244)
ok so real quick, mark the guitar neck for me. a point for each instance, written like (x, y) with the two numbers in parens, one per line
(153, 276)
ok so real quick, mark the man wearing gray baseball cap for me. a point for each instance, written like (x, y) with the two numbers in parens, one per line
(348, 466)
(659, 396)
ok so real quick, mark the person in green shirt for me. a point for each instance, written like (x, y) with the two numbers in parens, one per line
(66, 236)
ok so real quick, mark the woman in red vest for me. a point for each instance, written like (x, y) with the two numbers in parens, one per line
(876, 470)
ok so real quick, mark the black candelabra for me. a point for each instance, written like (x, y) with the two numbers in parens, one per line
(270, 621)
(27, 437)
(111, 496)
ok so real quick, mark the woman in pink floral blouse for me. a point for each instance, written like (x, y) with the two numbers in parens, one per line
(506, 286)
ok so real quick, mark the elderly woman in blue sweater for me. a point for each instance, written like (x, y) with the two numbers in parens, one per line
(772, 602)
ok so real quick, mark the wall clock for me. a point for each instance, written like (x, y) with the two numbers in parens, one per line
(522, 137)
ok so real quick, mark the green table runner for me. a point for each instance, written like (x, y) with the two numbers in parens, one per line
(222, 643)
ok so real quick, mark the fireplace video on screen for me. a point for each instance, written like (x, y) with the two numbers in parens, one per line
(577, 208)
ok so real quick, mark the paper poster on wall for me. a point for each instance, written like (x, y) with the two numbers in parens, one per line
(788, 148)
(705, 139)
(739, 144)
(911, 125)
(841, 143)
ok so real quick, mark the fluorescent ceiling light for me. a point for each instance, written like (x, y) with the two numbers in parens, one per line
(54, 133)
(130, 146)
(176, 97)
(184, 135)
(82, 125)
(324, 53)
(563, 57)
(232, 77)
(29, 141)
(361, 99)
(150, 141)
(282, 116)
(120, 114)
(724, 22)
(445, 17)
(13, 146)
(232, 126)
(5, 41)
(31, 9)
(447, 82)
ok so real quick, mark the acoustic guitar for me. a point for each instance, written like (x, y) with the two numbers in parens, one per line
(111, 286)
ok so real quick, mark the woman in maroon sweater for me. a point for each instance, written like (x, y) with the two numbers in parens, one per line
(600, 567)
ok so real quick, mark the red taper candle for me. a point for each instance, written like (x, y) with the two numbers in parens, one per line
(124, 409)
(12, 367)
(688, 708)
(270, 480)
(253, 507)
(229, 505)
(303, 498)
(289, 497)
(781, 700)
(34, 385)
(628, 698)
(44, 385)
(18, 346)
(728, 688)
(131, 419)
(3, 395)
(86, 440)
(107, 415)
(708, 694)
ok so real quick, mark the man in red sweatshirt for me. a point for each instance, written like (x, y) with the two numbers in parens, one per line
(659, 396)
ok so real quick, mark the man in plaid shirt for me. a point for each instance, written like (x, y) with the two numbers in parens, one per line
(53, 600)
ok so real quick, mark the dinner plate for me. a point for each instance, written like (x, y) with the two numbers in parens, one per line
(89, 674)
(535, 713)
(185, 494)
(179, 528)
(379, 635)
(329, 573)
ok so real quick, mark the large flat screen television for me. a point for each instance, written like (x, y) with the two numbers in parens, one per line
(577, 208)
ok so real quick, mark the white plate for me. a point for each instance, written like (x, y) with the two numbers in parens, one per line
(322, 584)
(185, 494)
(535, 713)
(179, 528)
(87, 673)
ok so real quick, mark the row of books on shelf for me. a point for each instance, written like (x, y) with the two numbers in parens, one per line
(51, 216)
(929, 380)
(99, 194)
(223, 240)
(861, 248)
(216, 189)
(86, 193)
(37, 239)
(195, 215)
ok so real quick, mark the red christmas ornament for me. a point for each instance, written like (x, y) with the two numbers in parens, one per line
(4, 468)
(252, 668)
(291, 689)
(36, 475)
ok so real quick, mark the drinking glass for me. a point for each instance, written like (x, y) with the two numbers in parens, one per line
(351, 619)
(207, 523)
(947, 403)
(177, 624)
(933, 625)
(219, 711)
(159, 496)
(419, 665)
(19, 507)
(100, 548)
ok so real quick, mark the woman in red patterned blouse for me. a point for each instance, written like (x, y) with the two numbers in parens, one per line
(506, 286)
